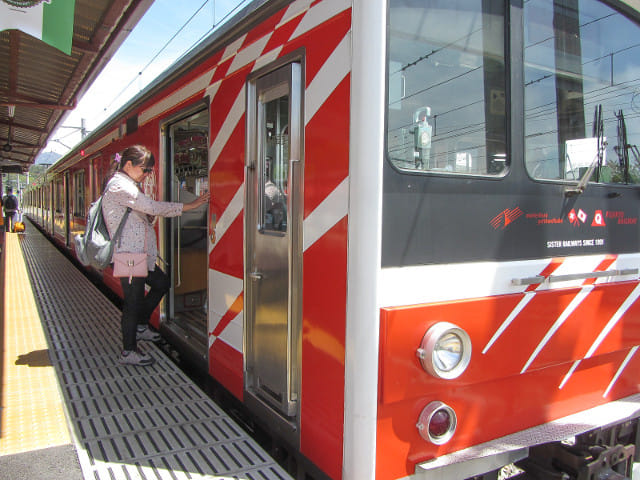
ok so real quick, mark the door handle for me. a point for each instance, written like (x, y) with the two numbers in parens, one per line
(255, 276)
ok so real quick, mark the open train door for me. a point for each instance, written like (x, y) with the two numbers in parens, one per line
(186, 245)
(273, 255)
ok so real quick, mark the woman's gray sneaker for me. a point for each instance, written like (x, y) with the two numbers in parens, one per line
(135, 357)
(147, 334)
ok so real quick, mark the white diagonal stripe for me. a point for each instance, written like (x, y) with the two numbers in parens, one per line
(193, 87)
(577, 300)
(223, 291)
(231, 120)
(319, 14)
(619, 372)
(212, 90)
(326, 215)
(248, 54)
(230, 213)
(294, 10)
(232, 49)
(267, 58)
(232, 333)
(569, 373)
(612, 322)
(528, 296)
(327, 79)
(605, 331)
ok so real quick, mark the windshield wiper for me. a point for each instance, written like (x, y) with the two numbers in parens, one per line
(598, 132)
(586, 176)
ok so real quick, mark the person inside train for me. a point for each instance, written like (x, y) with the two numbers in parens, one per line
(131, 167)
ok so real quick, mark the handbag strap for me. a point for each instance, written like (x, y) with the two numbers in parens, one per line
(120, 227)
(116, 236)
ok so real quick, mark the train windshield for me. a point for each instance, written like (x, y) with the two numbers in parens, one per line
(446, 101)
(582, 92)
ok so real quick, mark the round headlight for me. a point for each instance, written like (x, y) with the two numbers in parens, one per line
(437, 423)
(445, 351)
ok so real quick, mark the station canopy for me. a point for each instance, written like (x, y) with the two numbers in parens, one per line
(40, 84)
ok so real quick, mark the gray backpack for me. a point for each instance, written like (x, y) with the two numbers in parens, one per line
(94, 248)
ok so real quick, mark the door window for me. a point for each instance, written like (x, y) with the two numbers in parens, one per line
(275, 163)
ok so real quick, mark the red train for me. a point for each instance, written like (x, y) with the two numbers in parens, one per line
(421, 255)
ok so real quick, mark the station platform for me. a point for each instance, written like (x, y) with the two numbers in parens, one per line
(70, 411)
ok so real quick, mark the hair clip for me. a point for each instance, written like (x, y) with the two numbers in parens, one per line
(117, 158)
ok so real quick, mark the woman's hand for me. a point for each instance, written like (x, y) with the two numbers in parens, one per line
(198, 202)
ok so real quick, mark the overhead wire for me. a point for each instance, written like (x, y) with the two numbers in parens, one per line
(543, 111)
(158, 53)
(213, 27)
(164, 47)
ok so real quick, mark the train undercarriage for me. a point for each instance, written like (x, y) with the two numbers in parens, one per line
(602, 454)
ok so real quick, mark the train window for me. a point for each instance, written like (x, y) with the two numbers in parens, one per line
(446, 109)
(78, 194)
(59, 192)
(582, 93)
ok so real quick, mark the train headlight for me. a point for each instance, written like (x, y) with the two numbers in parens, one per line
(437, 423)
(445, 351)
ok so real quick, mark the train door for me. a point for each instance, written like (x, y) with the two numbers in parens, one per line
(273, 255)
(68, 208)
(95, 189)
(187, 247)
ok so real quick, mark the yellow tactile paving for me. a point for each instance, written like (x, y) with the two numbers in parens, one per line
(32, 410)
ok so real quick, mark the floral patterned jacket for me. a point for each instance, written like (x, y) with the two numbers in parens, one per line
(137, 233)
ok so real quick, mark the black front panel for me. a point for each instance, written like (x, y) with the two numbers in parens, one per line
(429, 220)
(512, 131)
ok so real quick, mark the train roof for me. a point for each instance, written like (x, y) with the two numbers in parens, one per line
(243, 21)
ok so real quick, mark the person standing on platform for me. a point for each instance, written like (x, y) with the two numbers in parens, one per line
(10, 206)
(138, 236)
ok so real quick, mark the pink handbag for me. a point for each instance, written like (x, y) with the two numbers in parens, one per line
(130, 265)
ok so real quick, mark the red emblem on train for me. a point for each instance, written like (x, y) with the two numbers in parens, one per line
(506, 217)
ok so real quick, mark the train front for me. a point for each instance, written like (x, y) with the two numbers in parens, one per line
(508, 289)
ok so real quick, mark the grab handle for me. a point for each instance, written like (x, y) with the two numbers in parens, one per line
(573, 276)
(178, 249)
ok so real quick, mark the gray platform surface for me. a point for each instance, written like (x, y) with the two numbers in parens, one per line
(130, 422)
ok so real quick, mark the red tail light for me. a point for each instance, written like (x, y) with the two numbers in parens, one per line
(437, 423)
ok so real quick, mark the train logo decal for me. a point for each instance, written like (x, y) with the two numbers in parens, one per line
(577, 218)
(505, 218)
(598, 219)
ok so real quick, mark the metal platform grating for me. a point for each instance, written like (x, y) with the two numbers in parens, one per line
(130, 422)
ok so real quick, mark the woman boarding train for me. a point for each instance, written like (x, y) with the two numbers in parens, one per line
(138, 236)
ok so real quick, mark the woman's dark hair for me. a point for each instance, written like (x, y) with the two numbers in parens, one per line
(137, 155)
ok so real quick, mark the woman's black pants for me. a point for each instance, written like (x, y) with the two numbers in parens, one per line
(138, 307)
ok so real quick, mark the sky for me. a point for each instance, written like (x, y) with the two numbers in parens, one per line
(148, 50)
